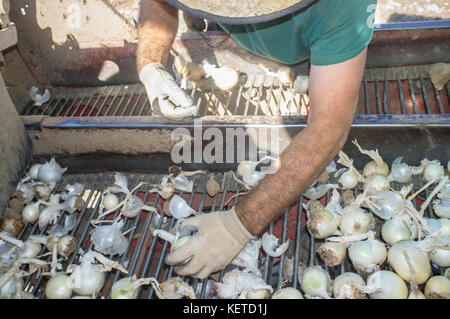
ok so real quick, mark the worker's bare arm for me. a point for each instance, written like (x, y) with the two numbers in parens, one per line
(157, 28)
(334, 95)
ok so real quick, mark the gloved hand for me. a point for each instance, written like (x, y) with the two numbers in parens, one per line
(219, 239)
(160, 85)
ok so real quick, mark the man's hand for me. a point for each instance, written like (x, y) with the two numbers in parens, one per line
(219, 239)
(161, 88)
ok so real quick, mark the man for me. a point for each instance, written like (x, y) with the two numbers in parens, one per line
(334, 35)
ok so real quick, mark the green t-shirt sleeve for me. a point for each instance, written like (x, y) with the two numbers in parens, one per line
(343, 35)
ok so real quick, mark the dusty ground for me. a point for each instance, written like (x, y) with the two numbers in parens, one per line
(407, 10)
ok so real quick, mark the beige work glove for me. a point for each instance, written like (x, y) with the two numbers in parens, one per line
(219, 239)
(174, 103)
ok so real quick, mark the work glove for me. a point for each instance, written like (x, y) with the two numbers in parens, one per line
(164, 92)
(219, 239)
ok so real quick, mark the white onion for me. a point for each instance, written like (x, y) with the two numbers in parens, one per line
(66, 245)
(440, 227)
(377, 182)
(333, 254)
(433, 171)
(30, 213)
(441, 206)
(108, 239)
(132, 207)
(367, 254)
(182, 183)
(179, 208)
(49, 215)
(58, 288)
(246, 168)
(86, 279)
(316, 282)
(344, 286)
(270, 245)
(34, 171)
(30, 249)
(225, 78)
(50, 172)
(287, 293)
(374, 168)
(236, 283)
(8, 290)
(354, 220)
(418, 258)
(400, 172)
(395, 230)
(321, 222)
(390, 284)
(441, 256)
(257, 294)
(437, 287)
(110, 201)
(349, 179)
(121, 289)
(389, 204)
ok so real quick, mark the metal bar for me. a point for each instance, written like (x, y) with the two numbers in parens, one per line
(379, 110)
(238, 100)
(135, 103)
(129, 100)
(386, 111)
(283, 239)
(298, 234)
(413, 97)
(366, 95)
(111, 104)
(96, 102)
(104, 101)
(120, 102)
(425, 96)
(78, 106)
(402, 100)
(438, 98)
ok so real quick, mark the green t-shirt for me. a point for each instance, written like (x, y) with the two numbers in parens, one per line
(327, 32)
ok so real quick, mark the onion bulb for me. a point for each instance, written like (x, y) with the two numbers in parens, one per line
(441, 256)
(390, 285)
(178, 207)
(437, 287)
(400, 172)
(34, 171)
(257, 294)
(376, 182)
(30, 213)
(367, 254)
(333, 254)
(30, 249)
(246, 168)
(58, 288)
(377, 166)
(50, 172)
(433, 171)
(349, 179)
(395, 230)
(345, 286)
(87, 279)
(110, 201)
(321, 222)
(225, 78)
(354, 220)
(316, 282)
(287, 293)
(440, 227)
(387, 204)
(419, 261)
(238, 283)
(127, 288)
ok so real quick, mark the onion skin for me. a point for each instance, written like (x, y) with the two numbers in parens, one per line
(354, 221)
(30, 213)
(348, 179)
(367, 253)
(12, 226)
(57, 287)
(441, 256)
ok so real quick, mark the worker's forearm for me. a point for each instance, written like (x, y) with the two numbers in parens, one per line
(157, 28)
(300, 164)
